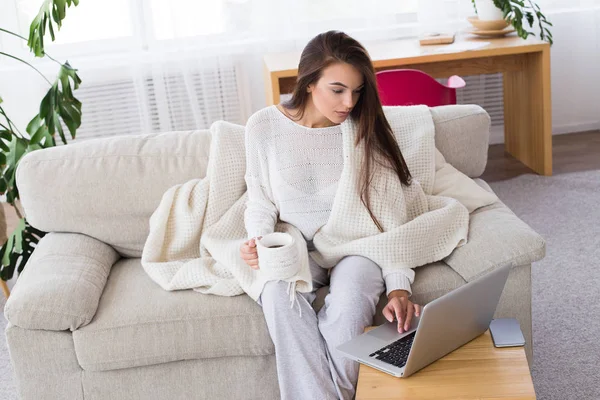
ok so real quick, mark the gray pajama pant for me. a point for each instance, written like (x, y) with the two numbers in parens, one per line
(308, 365)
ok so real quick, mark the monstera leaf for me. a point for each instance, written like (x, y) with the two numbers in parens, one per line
(17, 147)
(58, 104)
(18, 248)
(51, 10)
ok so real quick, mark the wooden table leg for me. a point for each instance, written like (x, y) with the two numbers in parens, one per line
(528, 112)
(5, 289)
(271, 88)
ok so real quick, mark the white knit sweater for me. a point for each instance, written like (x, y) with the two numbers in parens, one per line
(198, 228)
(292, 174)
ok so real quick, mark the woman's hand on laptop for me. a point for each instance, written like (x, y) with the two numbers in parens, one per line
(402, 308)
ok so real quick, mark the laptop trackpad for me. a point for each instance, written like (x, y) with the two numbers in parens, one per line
(387, 331)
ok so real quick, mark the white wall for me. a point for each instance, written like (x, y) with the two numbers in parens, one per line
(575, 71)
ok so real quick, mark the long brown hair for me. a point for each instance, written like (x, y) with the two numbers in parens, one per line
(374, 130)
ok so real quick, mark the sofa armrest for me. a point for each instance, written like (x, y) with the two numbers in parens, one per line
(462, 134)
(61, 285)
(497, 237)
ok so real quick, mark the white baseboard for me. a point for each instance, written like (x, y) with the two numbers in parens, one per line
(577, 127)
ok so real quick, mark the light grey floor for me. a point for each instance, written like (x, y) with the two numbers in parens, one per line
(565, 209)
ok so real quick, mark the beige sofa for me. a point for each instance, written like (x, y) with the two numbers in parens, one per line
(86, 322)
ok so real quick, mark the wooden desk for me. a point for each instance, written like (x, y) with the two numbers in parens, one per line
(524, 63)
(477, 370)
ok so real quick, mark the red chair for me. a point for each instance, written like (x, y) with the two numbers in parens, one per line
(405, 87)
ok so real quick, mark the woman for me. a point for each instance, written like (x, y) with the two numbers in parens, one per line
(294, 161)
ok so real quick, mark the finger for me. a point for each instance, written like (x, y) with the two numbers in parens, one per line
(388, 314)
(409, 314)
(248, 257)
(250, 251)
(417, 310)
(399, 309)
(253, 241)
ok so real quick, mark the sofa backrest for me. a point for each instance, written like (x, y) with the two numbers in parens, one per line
(108, 188)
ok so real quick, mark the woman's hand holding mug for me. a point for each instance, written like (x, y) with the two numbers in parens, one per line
(278, 253)
(249, 253)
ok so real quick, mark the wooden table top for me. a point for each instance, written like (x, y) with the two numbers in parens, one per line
(406, 51)
(477, 370)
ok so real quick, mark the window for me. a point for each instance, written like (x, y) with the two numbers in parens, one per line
(187, 18)
(91, 20)
(142, 23)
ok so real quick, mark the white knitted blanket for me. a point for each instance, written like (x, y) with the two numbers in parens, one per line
(198, 228)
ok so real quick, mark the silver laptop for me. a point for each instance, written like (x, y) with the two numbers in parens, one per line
(445, 324)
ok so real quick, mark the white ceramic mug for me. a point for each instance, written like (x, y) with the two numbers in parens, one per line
(278, 255)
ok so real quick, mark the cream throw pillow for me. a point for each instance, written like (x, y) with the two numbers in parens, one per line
(450, 182)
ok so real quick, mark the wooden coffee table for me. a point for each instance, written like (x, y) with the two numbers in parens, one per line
(476, 370)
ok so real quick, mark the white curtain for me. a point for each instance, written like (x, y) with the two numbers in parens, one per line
(155, 65)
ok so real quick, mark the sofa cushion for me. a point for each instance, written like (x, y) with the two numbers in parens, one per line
(497, 237)
(62, 284)
(138, 323)
(108, 188)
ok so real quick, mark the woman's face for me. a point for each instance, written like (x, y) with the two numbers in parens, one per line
(337, 91)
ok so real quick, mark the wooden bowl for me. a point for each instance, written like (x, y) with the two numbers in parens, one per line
(495, 25)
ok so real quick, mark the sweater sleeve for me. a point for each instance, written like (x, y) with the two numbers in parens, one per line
(395, 281)
(261, 212)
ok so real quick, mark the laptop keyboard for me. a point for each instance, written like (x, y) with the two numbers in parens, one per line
(396, 353)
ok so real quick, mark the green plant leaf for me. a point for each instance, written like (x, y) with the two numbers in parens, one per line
(530, 18)
(516, 11)
(40, 134)
(5, 134)
(17, 147)
(51, 11)
(35, 124)
(6, 257)
(60, 104)
(18, 249)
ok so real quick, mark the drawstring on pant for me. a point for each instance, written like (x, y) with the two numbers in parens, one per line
(291, 290)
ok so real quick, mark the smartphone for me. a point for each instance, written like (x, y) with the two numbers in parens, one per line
(506, 332)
